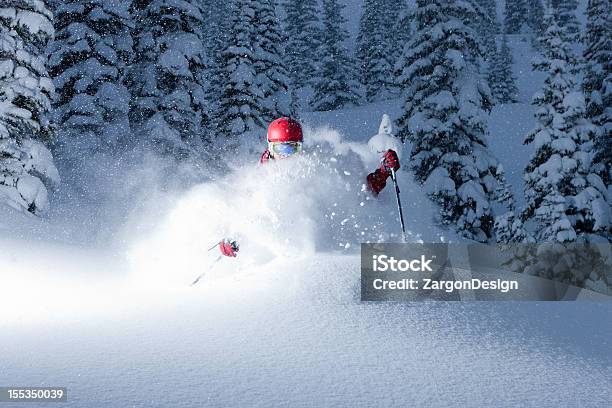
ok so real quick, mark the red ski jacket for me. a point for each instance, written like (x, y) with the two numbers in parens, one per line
(376, 181)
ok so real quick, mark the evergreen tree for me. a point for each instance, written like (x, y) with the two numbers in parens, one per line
(488, 26)
(167, 81)
(26, 166)
(88, 62)
(362, 42)
(445, 116)
(242, 101)
(515, 15)
(368, 28)
(535, 18)
(565, 199)
(402, 32)
(399, 21)
(509, 227)
(565, 10)
(489, 9)
(335, 87)
(372, 51)
(304, 39)
(217, 23)
(598, 82)
(272, 77)
(501, 80)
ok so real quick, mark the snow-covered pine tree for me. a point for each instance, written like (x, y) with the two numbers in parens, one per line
(372, 51)
(500, 77)
(535, 18)
(510, 230)
(509, 227)
(398, 21)
(597, 82)
(362, 41)
(399, 13)
(26, 165)
(565, 10)
(168, 105)
(272, 76)
(303, 31)
(88, 62)
(515, 15)
(444, 116)
(401, 32)
(335, 86)
(242, 101)
(218, 14)
(488, 27)
(565, 199)
(490, 10)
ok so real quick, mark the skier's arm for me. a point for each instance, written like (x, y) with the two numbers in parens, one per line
(378, 179)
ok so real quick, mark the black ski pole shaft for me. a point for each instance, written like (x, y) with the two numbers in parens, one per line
(399, 204)
(206, 271)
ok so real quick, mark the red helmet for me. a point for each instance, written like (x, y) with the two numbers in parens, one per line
(285, 130)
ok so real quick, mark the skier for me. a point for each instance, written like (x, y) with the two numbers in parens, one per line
(285, 139)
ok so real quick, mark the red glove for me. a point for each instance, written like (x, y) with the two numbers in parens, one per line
(228, 247)
(390, 161)
(378, 179)
(265, 157)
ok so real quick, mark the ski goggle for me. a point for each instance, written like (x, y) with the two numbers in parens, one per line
(285, 148)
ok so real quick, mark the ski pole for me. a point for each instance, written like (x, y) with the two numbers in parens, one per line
(204, 273)
(399, 204)
(228, 247)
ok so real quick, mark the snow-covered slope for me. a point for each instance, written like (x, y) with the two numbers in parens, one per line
(281, 325)
(295, 334)
(97, 297)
